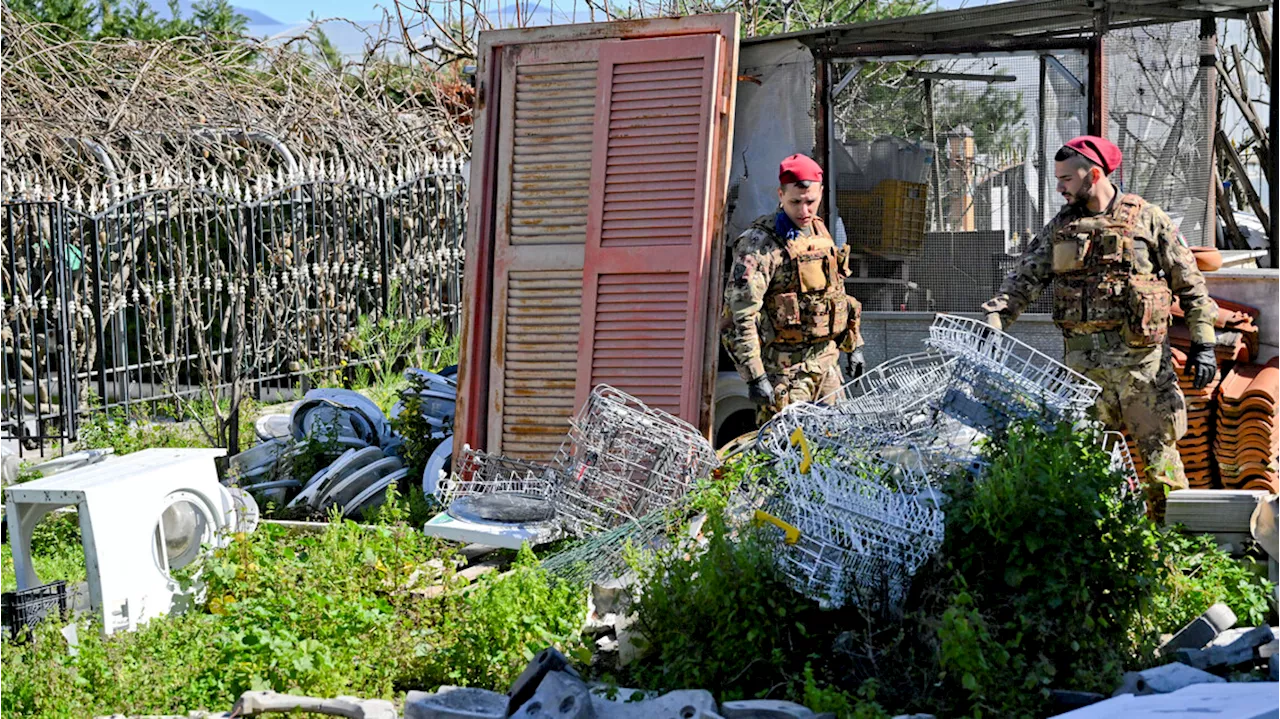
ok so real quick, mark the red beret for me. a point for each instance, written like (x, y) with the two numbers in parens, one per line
(799, 168)
(1099, 150)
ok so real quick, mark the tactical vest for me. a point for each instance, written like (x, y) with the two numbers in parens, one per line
(1096, 286)
(806, 302)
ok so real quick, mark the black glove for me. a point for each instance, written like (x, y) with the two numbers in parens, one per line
(761, 391)
(1202, 365)
(854, 364)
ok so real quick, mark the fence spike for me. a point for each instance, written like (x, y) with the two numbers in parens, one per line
(79, 201)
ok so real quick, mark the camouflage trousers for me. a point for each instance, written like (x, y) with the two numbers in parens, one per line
(1140, 394)
(806, 374)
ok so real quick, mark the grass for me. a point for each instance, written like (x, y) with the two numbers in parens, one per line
(56, 552)
(345, 611)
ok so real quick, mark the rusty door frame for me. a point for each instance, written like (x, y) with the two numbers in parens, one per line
(471, 420)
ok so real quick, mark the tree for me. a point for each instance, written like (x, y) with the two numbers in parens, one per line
(97, 19)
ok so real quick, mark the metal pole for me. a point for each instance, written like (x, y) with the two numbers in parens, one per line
(1208, 64)
(1042, 159)
(1273, 189)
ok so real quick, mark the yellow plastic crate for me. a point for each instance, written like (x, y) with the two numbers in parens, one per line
(890, 219)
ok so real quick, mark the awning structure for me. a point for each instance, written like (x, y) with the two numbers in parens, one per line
(992, 26)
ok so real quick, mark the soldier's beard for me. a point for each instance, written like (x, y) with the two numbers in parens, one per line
(1080, 198)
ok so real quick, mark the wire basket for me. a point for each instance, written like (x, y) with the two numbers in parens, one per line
(479, 473)
(865, 510)
(623, 460)
(607, 555)
(1012, 377)
(25, 608)
(1114, 444)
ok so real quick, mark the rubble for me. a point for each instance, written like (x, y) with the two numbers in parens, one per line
(1246, 700)
(1230, 649)
(1201, 630)
(1163, 679)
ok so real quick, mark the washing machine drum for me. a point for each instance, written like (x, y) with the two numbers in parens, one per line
(187, 522)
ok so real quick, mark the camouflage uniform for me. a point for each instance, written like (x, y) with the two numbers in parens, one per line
(1113, 306)
(786, 312)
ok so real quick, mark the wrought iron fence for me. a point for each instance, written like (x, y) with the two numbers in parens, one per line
(165, 288)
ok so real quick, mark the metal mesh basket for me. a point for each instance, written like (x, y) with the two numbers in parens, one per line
(478, 473)
(1114, 444)
(1010, 377)
(864, 506)
(623, 460)
(606, 555)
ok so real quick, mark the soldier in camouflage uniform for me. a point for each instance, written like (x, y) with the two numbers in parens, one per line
(787, 317)
(1115, 262)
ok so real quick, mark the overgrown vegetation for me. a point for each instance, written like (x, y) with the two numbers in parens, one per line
(56, 552)
(347, 611)
(148, 425)
(1048, 579)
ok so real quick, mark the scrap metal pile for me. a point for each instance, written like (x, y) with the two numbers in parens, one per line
(853, 481)
(621, 463)
(337, 448)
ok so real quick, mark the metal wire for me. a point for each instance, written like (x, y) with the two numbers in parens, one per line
(623, 460)
(479, 473)
(1008, 377)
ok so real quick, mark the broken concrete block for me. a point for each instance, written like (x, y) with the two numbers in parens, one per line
(764, 709)
(1238, 647)
(254, 703)
(455, 703)
(607, 644)
(612, 596)
(1195, 658)
(1201, 630)
(1162, 680)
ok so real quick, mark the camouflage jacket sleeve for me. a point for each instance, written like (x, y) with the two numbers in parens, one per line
(1175, 259)
(755, 258)
(1033, 273)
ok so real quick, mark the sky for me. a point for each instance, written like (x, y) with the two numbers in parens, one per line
(294, 11)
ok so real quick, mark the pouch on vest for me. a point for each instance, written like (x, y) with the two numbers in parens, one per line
(1069, 253)
(1107, 301)
(1150, 306)
(817, 321)
(1068, 304)
(1111, 247)
(784, 313)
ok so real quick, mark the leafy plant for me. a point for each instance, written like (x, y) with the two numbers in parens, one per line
(726, 619)
(1200, 574)
(1050, 569)
(500, 625)
(56, 551)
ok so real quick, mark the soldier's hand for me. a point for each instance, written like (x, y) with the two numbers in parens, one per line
(1202, 365)
(854, 364)
(761, 391)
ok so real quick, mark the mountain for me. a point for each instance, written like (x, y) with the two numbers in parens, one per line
(186, 7)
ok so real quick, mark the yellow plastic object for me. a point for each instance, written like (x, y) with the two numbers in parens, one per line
(792, 534)
(890, 219)
(798, 440)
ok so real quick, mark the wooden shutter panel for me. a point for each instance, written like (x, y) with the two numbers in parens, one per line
(649, 231)
(541, 232)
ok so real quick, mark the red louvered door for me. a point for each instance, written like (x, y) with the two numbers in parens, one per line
(595, 208)
(649, 230)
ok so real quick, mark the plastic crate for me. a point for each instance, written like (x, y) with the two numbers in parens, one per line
(889, 219)
(26, 608)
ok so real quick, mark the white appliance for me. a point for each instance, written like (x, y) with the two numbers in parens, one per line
(141, 515)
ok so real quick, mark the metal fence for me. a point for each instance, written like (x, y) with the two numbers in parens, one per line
(162, 289)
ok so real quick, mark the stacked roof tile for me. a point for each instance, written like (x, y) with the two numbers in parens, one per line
(1247, 444)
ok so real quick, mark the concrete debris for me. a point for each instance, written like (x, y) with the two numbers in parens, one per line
(1163, 679)
(255, 703)
(455, 703)
(765, 709)
(1201, 630)
(1232, 648)
(1242, 700)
